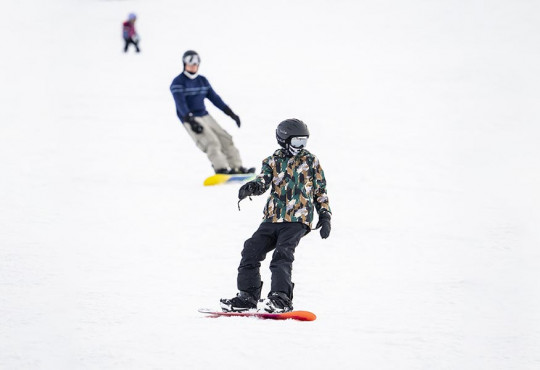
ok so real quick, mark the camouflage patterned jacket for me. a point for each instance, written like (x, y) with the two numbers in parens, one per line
(298, 187)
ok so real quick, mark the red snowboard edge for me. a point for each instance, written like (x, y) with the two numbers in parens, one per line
(292, 315)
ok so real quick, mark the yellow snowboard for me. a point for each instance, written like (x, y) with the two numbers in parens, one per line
(220, 179)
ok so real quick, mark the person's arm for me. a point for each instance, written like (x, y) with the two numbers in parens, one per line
(260, 184)
(266, 175)
(178, 92)
(218, 102)
(214, 97)
(320, 199)
(182, 110)
(125, 31)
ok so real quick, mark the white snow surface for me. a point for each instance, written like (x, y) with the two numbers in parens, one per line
(424, 115)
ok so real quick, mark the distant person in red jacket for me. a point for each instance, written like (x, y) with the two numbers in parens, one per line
(129, 33)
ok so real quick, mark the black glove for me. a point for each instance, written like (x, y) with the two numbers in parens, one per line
(250, 188)
(324, 224)
(195, 126)
(228, 111)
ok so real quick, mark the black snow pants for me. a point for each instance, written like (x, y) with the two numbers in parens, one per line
(131, 41)
(283, 237)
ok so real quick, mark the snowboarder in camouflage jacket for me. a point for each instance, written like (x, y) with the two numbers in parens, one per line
(298, 188)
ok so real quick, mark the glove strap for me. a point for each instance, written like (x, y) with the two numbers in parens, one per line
(242, 200)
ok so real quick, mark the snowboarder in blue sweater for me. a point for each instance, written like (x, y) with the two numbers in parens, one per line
(189, 90)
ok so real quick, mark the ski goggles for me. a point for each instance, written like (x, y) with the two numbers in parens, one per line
(192, 60)
(299, 141)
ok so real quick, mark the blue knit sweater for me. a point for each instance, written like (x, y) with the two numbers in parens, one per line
(189, 95)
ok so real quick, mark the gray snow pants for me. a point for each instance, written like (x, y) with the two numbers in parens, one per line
(216, 143)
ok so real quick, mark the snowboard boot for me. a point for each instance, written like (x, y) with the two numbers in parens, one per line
(278, 302)
(242, 170)
(243, 301)
(222, 171)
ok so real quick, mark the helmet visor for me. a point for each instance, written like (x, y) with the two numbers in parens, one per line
(299, 141)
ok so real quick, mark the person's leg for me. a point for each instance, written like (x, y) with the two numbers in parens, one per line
(249, 278)
(289, 236)
(228, 148)
(255, 250)
(208, 142)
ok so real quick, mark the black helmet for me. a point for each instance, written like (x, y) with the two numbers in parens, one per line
(290, 128)
(191, 57)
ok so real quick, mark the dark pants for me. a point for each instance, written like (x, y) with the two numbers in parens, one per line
(130, 41)
(283, 237)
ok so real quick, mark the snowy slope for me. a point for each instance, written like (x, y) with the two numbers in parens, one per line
(423, 114)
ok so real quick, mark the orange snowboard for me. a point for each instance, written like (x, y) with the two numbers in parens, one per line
(292, 315)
